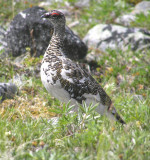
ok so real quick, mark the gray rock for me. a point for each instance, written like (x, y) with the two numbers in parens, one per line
(142, 7)
(125, 19)
(28, 29)
(3, 43)
(7, 90)
(82, 3)
(44, 4)
(120, 79)
(19, 80)
(49, 2)
(138, 97)
(104, 36)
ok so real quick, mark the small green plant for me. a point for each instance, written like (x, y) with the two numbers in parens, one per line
(142, 21)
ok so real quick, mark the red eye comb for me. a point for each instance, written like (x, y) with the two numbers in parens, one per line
(55, 13)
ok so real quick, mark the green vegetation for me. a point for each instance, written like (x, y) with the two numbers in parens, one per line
(34, 125)
(9, 8)
(142, 21)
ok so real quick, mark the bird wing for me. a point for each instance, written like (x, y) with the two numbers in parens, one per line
(81, 85)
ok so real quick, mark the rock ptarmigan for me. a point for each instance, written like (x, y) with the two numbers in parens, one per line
(65, 80)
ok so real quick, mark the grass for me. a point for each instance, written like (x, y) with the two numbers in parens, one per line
(8, 9)
(98, 12)
(142, 21)
(35, 125)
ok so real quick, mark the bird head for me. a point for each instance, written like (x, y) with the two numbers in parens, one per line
(57, 18)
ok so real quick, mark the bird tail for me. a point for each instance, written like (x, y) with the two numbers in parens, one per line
(112, 113)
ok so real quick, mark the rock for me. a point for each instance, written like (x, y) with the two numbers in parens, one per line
(138, 97)
(19, 80)
(120, 79)
(28, 29)
(49, 2)
(7, 90)
(125, 19)
(44, 4)
(77, 4)
(18, 61)
(142, 7)
(82, 3)
(3, 44)
(104, 36)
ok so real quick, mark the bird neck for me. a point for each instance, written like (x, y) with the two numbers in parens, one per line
(59, 31)
(56, 46)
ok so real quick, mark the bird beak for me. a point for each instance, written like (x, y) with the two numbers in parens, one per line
(43, 16)
(46, 15)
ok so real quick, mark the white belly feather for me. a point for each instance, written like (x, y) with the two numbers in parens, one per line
(61, 94)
